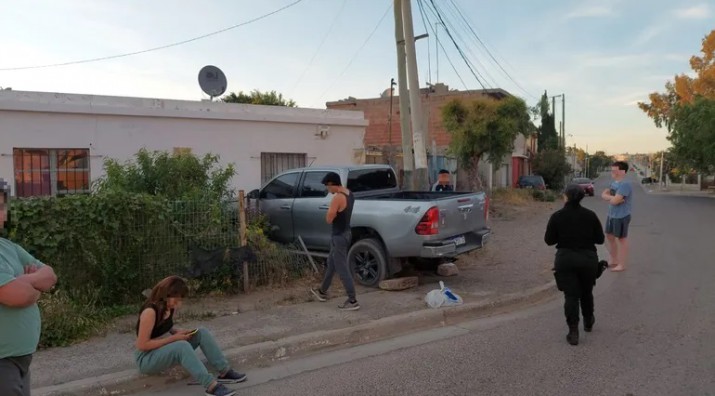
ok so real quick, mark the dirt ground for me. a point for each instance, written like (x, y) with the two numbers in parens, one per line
(515, 259)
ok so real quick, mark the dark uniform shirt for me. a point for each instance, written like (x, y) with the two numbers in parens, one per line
(574, 227)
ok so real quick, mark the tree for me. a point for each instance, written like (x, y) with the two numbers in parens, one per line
(484, 127)
(597, 162)
(257, 97)
(693, 135)
(685, 109)
(176, 176)
(548, 137)
(551, 164)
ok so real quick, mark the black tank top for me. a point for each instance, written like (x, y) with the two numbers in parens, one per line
(341, 223)
(161, 327)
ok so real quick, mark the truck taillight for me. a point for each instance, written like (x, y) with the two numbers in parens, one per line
(486, 209)
(429, 224)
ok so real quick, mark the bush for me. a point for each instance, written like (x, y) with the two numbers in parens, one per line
(107, 248)
(94, 242)
(544, 195)
(65, 321)
(552, 166)
(173, 176)
(511, 196)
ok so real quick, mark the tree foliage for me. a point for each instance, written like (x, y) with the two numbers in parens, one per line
(597, 162)
(685, 109)
(257, 97)
(484, 127)
(693, 135)
(551, 164)
(172, 176)
(548, 137)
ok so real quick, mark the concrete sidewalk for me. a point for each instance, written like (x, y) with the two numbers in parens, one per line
(675, 190)
(254, 333)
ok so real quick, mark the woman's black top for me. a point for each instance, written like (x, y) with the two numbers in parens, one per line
(161, 327)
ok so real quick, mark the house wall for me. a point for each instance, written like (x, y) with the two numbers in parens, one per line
(114, 127)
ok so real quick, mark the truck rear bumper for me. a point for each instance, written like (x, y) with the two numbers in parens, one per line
(451, 247)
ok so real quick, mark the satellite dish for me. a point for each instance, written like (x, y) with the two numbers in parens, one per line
(212, 81)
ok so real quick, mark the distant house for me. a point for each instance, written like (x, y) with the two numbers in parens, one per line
(383, 140)
(54, 144)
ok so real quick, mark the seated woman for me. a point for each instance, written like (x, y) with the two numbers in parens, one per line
(161, 346)
(575, 231)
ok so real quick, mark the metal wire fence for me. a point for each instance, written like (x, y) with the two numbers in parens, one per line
(110, 250)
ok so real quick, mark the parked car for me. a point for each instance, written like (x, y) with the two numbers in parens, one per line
(531, 181)
(585, 183)
(389, 226)
(649, 180)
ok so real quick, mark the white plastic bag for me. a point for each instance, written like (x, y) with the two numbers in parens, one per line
(442, 297)
(434, 298)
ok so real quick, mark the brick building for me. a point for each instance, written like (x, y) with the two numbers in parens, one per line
(383, 139)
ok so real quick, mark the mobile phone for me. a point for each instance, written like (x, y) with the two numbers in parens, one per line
(194, 331)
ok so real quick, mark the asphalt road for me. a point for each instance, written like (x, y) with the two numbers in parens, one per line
(654, 332)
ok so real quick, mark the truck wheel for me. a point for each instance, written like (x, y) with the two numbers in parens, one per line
(368, 262)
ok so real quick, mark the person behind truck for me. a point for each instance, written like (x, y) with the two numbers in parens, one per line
(443, 182)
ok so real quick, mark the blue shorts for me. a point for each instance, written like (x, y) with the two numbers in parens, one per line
(618, 227)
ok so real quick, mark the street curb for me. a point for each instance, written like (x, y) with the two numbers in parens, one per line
(265, 353)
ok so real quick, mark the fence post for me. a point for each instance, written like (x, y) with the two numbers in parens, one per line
(243, 235)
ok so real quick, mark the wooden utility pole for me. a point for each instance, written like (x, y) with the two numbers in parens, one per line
(418, 130)
(408, 162)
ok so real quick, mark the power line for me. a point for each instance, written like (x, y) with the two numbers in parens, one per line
(429, 57)
(358, 50)
(322, 42)
(155, 48)
(439, 42)
(486, 48)
(490, 81)
(459, 49)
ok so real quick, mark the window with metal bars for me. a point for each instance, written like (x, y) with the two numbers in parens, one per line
(275, 163)
(50, 172)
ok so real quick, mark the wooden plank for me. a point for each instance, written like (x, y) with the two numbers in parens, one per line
(310, 258)
(243, 234)
(309, 253)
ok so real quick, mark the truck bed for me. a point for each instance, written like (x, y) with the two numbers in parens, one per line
(414, 195)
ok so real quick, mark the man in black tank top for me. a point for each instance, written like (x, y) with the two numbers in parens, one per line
(341, 209)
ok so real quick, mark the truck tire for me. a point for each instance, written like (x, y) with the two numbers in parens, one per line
(368, 262)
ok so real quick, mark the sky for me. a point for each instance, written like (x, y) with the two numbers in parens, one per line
(605, 55)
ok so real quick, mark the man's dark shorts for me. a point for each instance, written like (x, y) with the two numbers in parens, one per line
(15, 376)
(618, 227)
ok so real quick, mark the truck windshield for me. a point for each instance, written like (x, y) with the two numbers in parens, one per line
(371, 179)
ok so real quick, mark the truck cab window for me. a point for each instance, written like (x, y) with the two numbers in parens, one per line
(313, 186)
(371, 179)
(281, 187)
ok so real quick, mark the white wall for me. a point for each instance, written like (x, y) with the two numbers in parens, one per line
(119, 127)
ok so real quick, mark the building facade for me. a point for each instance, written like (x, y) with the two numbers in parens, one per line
(55, 144)
(383, 139)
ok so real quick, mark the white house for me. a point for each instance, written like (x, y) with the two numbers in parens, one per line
(54, 143)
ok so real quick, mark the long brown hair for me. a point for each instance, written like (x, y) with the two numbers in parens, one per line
(171, 286)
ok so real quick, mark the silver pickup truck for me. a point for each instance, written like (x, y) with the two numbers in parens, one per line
(389, 226)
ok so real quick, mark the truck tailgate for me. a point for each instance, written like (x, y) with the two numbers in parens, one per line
(461, 215)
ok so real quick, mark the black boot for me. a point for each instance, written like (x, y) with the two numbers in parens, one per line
(588, 323)
(572, 336)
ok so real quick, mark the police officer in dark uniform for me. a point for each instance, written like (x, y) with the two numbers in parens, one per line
(575, 231)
